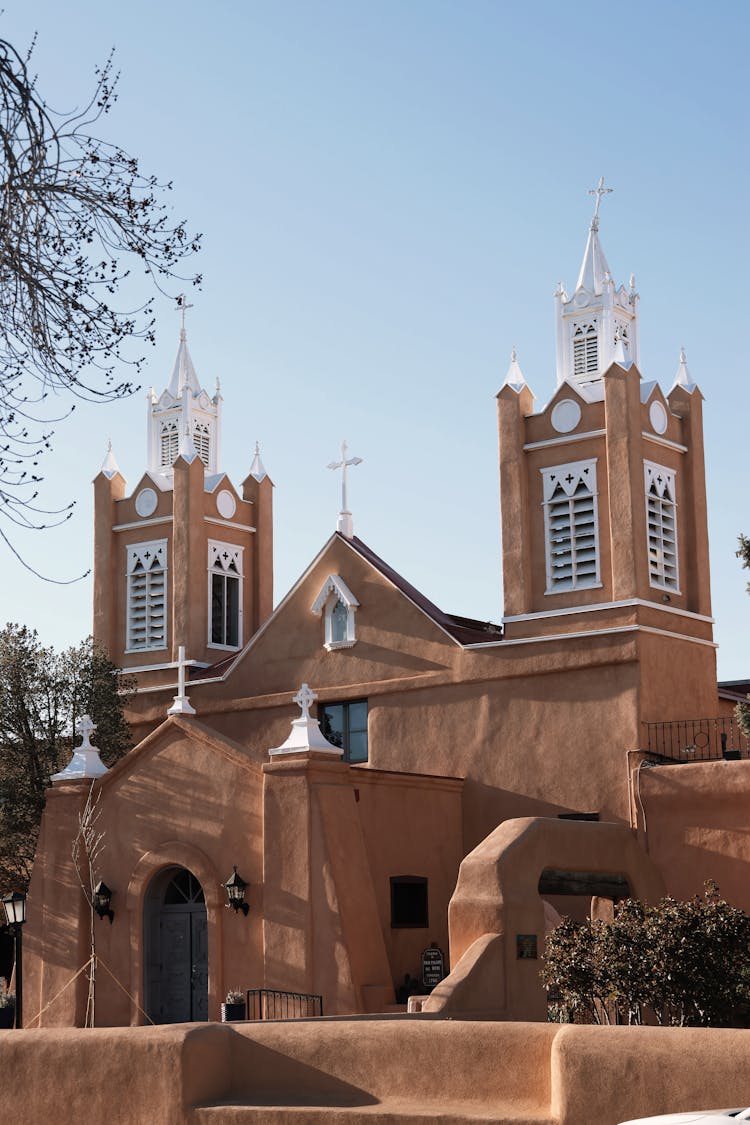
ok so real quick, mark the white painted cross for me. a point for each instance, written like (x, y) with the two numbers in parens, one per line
(85, 728)
(599, 191)
(304, 699)
(183, 306)
(181, 705)
(345, 522)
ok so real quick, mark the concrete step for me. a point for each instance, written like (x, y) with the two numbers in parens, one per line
(380, 1113)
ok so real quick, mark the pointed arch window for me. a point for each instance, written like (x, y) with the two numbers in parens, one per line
(147, 596)
(224, 595)
(571, 526)
(202, 441)
(661, 526)
(585, 350)
(169, 443)
(337, 605)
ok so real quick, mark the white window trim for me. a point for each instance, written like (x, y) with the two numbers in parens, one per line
(216, 548)
(650, 471)
(569, 476)
(334, 590)
(136, 551)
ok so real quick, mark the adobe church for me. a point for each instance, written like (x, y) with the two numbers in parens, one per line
(382, 774)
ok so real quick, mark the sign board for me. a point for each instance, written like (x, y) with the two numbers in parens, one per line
(433, 966)
(526, 948)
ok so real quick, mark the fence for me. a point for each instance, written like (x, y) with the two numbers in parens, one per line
(273, 1004)
(697, 740)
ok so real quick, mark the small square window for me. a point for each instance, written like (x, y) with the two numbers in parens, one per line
(409, 902)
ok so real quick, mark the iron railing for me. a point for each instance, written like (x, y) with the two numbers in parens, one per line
(697, 740)
(273, 1004)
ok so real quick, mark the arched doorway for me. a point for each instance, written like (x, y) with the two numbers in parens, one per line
(176, 948)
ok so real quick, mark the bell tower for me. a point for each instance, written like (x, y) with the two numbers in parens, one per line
(186, 558)
(603, 497)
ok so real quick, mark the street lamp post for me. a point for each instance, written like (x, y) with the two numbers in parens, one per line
(15, 913)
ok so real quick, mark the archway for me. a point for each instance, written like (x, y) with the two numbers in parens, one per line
(176, 948)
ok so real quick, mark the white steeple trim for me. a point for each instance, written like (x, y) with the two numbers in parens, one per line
(345, 523)
(85, 763)
(183, 372)
(683, 377)
(109, 466)
(187, 449)
(257, 468)
(306, 734)
(590, 322)
(515, 377)
(181, 704)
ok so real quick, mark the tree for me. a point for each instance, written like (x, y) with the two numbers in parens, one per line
(43, 695)
(76, 214)
(742, 710)
(677, 963)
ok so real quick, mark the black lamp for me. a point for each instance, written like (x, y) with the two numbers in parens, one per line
(102, 900)
(235, 887)
(15, 913)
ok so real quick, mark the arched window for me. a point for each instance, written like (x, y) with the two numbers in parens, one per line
(224, 594)
(202, 441)
(169, 443)
(147, 596)
(585, 350)
(337, 606)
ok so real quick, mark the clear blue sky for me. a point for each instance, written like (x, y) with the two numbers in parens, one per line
(389, 193)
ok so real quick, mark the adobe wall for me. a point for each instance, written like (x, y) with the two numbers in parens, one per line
(693, 820)
(357, 1070)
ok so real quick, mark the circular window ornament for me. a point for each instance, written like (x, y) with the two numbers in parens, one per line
(658, 417)
(566, 416)
(145, 502)
(226, 504)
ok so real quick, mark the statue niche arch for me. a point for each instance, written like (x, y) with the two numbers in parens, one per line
(175, 937)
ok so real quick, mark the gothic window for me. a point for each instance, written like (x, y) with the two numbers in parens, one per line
(585, 350)
(225, 594)
(169, 443)
(571, 526)
(661, 526)
(345, 725)
(202, 440)
(337, 605)
(147, 596)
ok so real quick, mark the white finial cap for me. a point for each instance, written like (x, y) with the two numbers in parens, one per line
(514, 378)
(85, 763)
(109, 465)
(256, 469)
(306, 735)
(683, 377)
(187, 449)
(621, 353)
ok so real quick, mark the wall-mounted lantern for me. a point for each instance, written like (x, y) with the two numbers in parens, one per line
(102, 900)
(15, 914)
(235, 887)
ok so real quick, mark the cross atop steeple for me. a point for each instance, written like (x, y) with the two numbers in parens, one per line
(345, 523)
(598, 191)
(182, 307)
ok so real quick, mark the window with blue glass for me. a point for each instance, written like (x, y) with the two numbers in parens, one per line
(345, 725)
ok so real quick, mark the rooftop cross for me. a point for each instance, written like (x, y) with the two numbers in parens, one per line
(182, 307)
(181, 705)
(598, 191)
(304, 699)
(345, 525)
(86, 728)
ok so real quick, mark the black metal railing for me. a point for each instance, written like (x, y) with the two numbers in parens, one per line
(273, 1004)
(697, 740)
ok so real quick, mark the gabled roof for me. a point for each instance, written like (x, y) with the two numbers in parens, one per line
(462, 630)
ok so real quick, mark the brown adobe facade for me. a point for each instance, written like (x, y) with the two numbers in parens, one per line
(454, 739)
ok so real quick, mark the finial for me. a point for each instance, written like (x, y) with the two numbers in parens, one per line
(683, 377)
(632, 283)
(85, 763)
(257, 468)
(109, 464)
(514, 378)
(345, 523)
(598, 191)
(183, 306)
